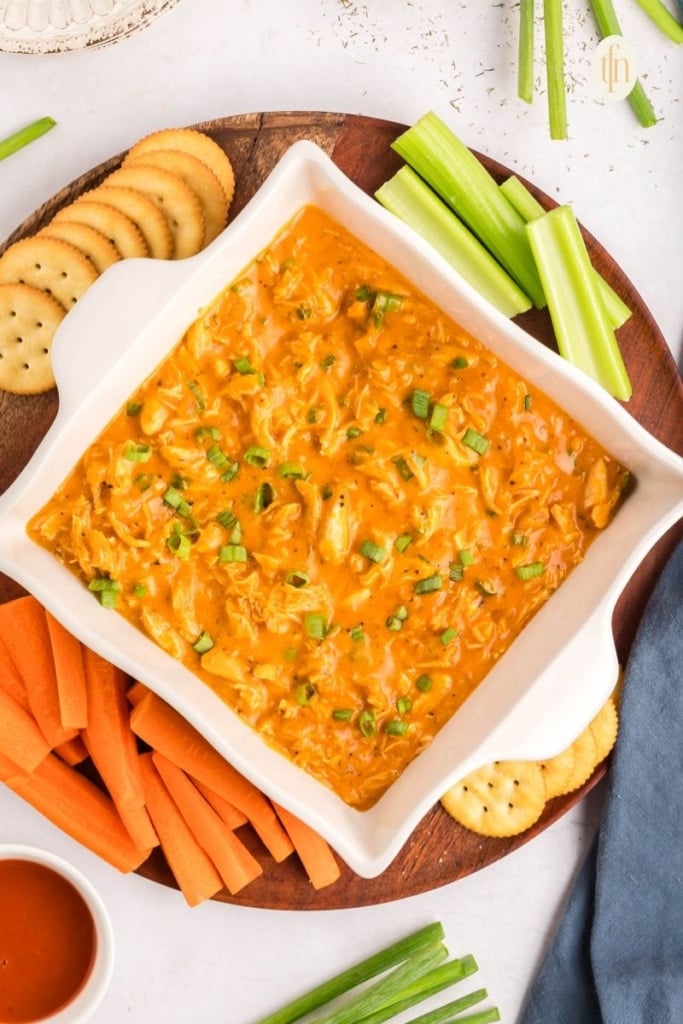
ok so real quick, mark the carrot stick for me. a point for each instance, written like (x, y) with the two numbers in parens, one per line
(72, 752)
(10, 680)
(24, 630)
(68, 660)
(194, 872)
(20, 738)
(139, 826)
(108, 737)
(316, 856)
(76, 805)
(136, 692)
(236, 866)
(167, 732)
(226, 811)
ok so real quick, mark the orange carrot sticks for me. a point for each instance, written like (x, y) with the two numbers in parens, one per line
(72, 752)
(10, 680)
(225, 811)
(136, 692)
(236, 865)
(24, 630)
(21, 741)
(316, 856)
(192, 868)
(167, 732)
(79, 808)
(68, 661)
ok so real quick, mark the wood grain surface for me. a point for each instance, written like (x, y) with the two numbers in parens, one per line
(439, 851)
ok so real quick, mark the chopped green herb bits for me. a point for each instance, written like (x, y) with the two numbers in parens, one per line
(420, 401)
(203, 643)
(375, 552)
(428, 585)
(449, 635)
(367, 723)
(257, 456)
(529, 571)
(403, 542)
(140, 452)
(315, 626)
(477, 442)
(233, 553)
(424, 683)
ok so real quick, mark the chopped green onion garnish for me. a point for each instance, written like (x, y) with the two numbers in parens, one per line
(419, 402)
(455, 572)
(328, 361)
(396, 727)
(304, 693)
(374, 552)
(529, 571)
(204, 433)
(316, 626)
(303, 312)
(140, 590)
(217, 457)
(232, 553)
(179, 543)
(428, 585)
(175, 500)
(196, 391)
(380, 415)
(296, 578)
(106, 589)
(256, 455)
(230, 473)
(528, 402)
(227, 518)
(140, 452)
(312, 415)
(402, 466)
(363, 293)
(477, 442)
(404, 705)
(342, 714)
(367, 723)
(403, 542)
(354, 432)
(243, 366)
(448, 635)
(486, 588)
(203, 643)
(264, 497)
(424, 683)
(291, 471)
(394, 623)
(466, 557)
(519, 540)
(459, 363)
(439, 417)
(133, 408)
(143, 481)
(356, 633)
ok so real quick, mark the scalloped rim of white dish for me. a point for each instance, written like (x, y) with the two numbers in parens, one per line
(557, 673)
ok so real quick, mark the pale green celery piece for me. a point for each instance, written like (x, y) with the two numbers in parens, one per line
(25, 135)
(530, 208)
(357, 974)
(608, 25)
(525, 51)
(583, 332)
(411, 200)
(663, 19)
(435, 152)
(554, 66)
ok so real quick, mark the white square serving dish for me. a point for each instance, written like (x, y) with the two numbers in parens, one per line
(556, 675)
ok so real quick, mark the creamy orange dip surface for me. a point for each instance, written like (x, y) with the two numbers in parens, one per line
(334, 506)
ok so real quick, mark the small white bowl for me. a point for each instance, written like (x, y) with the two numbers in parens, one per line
(556, 675)
(89, 996)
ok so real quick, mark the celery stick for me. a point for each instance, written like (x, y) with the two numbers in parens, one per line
(442, 977)
(408, 197)
(663, 19)
(525, 51)
(529, 207)
(582, 330)
(445, 163)
(363, 971)
(554, 66)
(387, 988)
(608, 25)
(25, 135)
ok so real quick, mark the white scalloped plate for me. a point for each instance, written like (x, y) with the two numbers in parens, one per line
(59, 26)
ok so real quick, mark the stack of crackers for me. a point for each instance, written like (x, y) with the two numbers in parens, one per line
(169, 198)
(505, 798)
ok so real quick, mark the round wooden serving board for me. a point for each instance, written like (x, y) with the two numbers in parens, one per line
(439, 851)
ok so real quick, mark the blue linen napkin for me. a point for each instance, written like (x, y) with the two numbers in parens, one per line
(617, 956)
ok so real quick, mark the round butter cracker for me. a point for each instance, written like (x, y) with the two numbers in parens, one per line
(173, 197)
(29, 318)
(50, 264)
(145, 214)
(500, 799)
(197, 144)
(97, 247)
(114, 225)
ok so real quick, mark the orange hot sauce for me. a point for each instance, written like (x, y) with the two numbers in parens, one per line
(47, 941)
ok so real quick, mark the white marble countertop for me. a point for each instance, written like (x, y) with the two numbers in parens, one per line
(207, 58)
